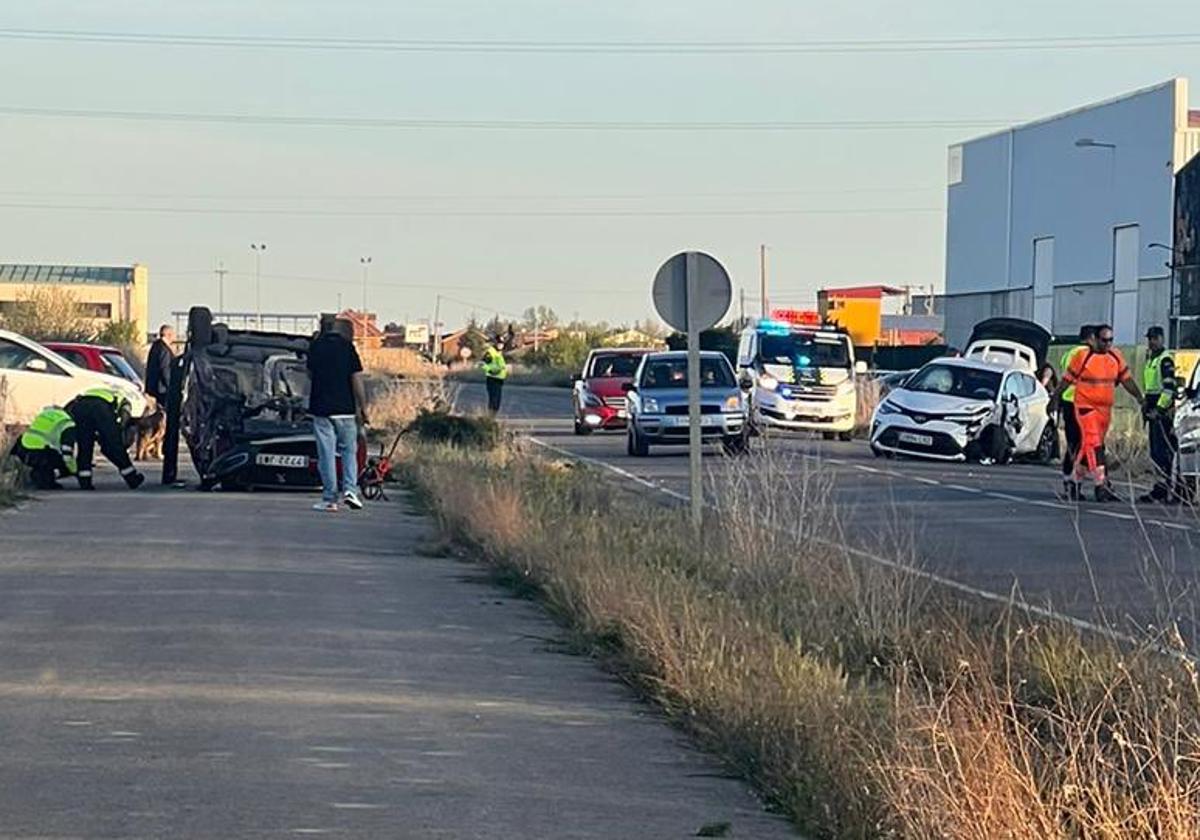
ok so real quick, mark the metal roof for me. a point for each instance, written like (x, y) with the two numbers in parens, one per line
(107, 275)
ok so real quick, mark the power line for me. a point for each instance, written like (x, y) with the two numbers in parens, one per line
(454, 214)
(497, 125)
(624, 47)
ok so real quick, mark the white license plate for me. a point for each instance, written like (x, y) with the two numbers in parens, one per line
(294, 461)
(919, 440)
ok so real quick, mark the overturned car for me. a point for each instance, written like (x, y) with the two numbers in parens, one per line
(239, 398)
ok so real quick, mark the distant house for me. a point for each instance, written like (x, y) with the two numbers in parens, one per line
(367, 334)
(632, 338)
(104, 294)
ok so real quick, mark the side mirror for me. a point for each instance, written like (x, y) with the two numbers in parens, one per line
(37, 365)
(575, 377)
(746, 382)
(860, 367)
(1190, 393)
(628, 386)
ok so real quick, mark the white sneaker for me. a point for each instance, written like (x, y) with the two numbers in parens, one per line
(352, 501)
(326, 507)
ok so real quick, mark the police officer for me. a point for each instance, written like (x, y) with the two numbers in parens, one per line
(101, 416)
(47, 448)
(1158, 409)
(495, 371)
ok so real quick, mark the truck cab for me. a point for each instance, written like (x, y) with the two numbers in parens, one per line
(799, 376)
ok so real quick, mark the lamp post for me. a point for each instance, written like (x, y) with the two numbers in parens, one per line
(366, 270)
(258, 248)
(1172, 297)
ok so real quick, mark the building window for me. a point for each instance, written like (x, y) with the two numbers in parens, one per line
(954, 166)
(96, 310)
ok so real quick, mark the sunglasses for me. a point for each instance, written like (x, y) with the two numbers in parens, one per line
(1104, 339)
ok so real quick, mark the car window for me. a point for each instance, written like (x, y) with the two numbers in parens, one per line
(118, 365)
(613, 366)
(1026, 385)
(954, 380)
(74, 357)
(672, 373)
(746, 350)
(15, 356)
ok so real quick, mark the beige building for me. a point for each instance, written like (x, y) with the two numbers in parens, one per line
(105, 293)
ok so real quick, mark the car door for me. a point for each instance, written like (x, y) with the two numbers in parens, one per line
(1012, 418)
(1035, 404)
(32, 381)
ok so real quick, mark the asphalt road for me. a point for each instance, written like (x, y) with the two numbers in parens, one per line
(183, 665)
(994, 529)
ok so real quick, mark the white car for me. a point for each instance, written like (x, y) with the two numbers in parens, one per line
(1187, 429)
(986, 405)
(33, 377)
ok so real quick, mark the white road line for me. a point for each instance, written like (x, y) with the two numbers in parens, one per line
(949, 583)
(962, 488)
(1112, 514)
(1008, 497)
(933, 482)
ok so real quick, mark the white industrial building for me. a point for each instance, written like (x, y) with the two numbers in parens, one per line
(1054, 220)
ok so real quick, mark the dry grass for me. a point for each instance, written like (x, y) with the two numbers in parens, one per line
(399, 362)
(859, 700)
(518, 374)
(868, 391)
(392, 405)
(10, 474)
(1128, 445)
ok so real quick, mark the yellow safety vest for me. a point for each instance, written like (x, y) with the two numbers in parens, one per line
(49, 431)
(494, 366)
(1152, 381)
(1069, 394)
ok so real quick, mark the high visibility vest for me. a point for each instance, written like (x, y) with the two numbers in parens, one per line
(1069, 394)
(1096, 376)
(49, 431)
(1152, 381)
(494, 366)
(106, 394)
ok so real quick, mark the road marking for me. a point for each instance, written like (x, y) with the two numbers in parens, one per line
(962, 488)
(1112, 514)
(922, 574)
(1008, 497)
(933, 482)
(356, 806)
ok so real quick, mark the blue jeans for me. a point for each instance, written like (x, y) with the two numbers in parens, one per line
(337, 436)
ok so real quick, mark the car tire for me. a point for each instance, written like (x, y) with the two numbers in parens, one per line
(829, 435)
(1047, 450)
(200, 327)
(845, 437)
(582, 428)
(637, 447)
(736, 445)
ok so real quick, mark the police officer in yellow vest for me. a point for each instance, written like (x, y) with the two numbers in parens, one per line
(98, 415)
(1159, 384)
(495, 371)
(47, 448)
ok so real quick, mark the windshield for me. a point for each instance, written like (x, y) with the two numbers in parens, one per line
(672, 373)
(116, 364)
(955, 381)
(613, 366)
(799, 350)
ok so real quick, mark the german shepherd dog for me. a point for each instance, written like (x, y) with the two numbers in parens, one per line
(151, 429)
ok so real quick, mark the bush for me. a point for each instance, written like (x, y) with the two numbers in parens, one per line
(568, 352)
(121, 334)
(440, 426)
(47, 313)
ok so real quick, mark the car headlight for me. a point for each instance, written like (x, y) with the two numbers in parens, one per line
(649, 405)
(886, 407)
(733, 403)
(768, 382)
(591, 400)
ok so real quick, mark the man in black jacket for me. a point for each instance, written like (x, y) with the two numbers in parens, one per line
(158, 365)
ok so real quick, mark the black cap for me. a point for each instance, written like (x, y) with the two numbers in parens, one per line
(1154, 332)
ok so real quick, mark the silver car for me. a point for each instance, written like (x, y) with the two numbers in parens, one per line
(658, 403)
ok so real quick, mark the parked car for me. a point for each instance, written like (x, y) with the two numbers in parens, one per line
(34, 377)
(987, 405)
(598, 395)
(658, 403)
(1187, 429)
(96, 357)
(243, 409)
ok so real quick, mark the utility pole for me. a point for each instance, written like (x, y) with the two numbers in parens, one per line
(221, 272)
(258, 248)
(762, 279)
(742, 307)
(366, 270)
(437, 329)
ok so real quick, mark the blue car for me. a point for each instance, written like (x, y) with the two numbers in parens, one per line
(658, 403)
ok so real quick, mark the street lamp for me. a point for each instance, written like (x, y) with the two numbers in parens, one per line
(258, 248)
(366, 269)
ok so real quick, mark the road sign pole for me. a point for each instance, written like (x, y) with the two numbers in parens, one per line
(696, 484)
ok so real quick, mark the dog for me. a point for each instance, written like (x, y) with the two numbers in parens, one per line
(151, 428)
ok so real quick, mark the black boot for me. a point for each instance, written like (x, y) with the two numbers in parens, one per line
(1071, 490)
(1104, 493)
(134, 480)
(85, 483)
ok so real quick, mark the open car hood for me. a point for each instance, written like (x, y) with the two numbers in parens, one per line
(1016, 330)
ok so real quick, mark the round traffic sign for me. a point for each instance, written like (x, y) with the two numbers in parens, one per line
(702, 276)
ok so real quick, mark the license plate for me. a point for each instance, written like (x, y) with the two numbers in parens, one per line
(294, 461)
(919, 440)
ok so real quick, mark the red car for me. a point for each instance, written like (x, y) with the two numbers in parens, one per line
(599, 394)
(96, 357)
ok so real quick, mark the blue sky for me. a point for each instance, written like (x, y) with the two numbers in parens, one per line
(499, 220)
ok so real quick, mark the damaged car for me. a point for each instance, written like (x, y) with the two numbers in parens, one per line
(987, 406)
(239, 398)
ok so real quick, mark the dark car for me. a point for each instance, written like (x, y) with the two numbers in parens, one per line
(242, 403)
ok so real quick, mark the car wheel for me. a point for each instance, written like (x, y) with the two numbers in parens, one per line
(582, 428)
(845, 437)
(200, 323)
(638, 447)
(1048, 445)
(829, 435)
(736, 445)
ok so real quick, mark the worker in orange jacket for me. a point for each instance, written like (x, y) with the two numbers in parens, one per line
(1095, 375)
